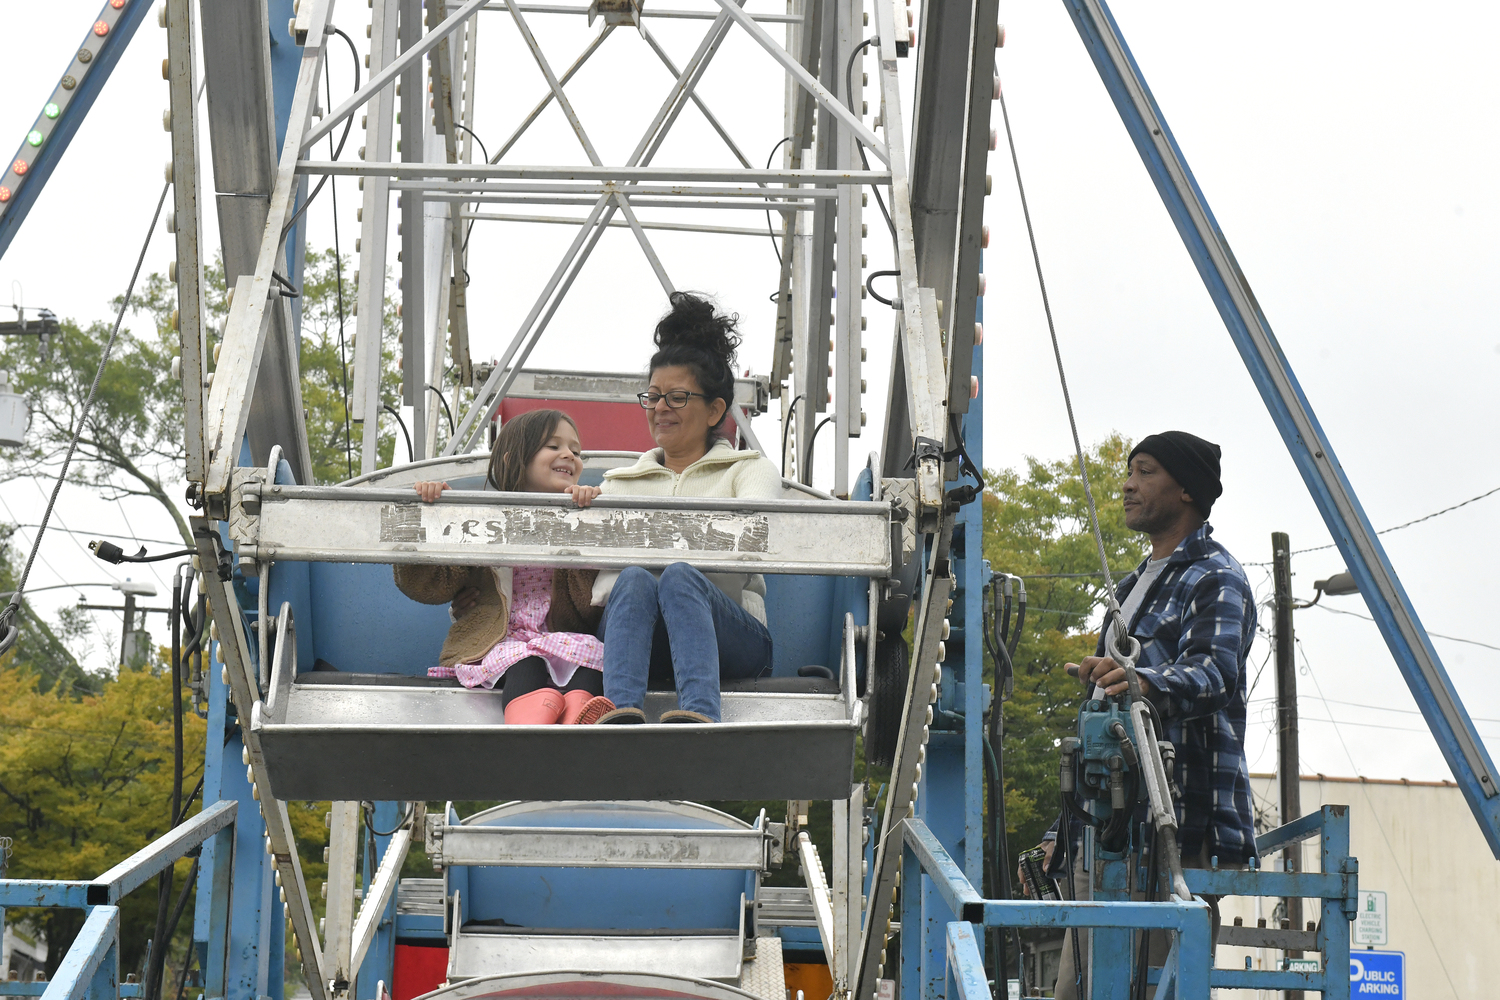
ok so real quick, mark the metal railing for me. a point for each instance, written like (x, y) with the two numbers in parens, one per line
(91, 968)
(1189, 966)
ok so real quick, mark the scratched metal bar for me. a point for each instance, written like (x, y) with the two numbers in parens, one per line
(331, 524)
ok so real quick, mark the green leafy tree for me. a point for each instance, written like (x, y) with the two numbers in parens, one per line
(40, 649)
(132, 441)
(1036, 526)
(86, 782)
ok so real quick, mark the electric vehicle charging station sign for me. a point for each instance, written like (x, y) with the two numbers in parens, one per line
(1377, 974)
(1370, 926)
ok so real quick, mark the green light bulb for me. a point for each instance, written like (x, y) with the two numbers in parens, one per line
(35, 138)
(52, 111)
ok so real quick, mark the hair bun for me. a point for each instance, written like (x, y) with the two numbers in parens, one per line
(693, 321)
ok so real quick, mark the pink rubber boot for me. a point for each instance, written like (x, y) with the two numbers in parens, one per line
(542, 707)
(583, 708)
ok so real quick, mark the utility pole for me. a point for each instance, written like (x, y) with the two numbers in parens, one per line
(1288, 758)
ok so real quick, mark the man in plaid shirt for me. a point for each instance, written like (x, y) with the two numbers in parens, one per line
(1193, 611)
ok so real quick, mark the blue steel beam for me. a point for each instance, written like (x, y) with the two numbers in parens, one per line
(150, 860)
(69, 104)
(91, 967)
(1300, 430)
(967, 977)
(11, 988)
(42, 892)
(949, 879)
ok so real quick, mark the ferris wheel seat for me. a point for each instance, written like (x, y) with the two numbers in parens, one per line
(413, 738)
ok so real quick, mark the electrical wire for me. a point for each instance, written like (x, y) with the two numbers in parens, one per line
(348, 124)
(859, 144)
(1408, 524)
(482, 148)
(769, 231)
(464, 250)
(392, 411)
(870, 285)
(8, 631)
(1435, 635)
(1364, 789)
(786, 426)
(446, 410)
(812, 440)
(338, 275)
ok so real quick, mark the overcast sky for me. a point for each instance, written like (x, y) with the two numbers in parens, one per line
(1348, 151)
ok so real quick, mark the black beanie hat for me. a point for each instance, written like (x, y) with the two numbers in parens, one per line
(1190, 460)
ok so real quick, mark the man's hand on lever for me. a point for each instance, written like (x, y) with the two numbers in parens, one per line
(1104, 672)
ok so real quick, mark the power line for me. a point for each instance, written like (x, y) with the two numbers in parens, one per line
(1355, 704)
(1435, 635)
(1408, 524)
(1395, 859)
(106, 534)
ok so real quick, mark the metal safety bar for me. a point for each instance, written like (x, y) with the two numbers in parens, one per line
(1337, 886)
(91, 968)
(1188, 965)
(126, 876)
(465, 527)
(580, 847)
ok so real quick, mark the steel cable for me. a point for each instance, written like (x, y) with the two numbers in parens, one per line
(1062, 377)
(8, 631)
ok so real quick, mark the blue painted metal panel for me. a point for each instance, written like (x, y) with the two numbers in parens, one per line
(1355, 537)
(362, 623)
(591, 898)
(75, 105)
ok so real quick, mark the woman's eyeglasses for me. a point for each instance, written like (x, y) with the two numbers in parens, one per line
(676, 399)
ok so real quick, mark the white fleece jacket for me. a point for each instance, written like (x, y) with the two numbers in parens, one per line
(723, 472)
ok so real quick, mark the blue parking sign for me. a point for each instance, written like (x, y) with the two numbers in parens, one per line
(1377, 974)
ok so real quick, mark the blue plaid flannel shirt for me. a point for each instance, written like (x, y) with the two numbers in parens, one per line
(1195, 628)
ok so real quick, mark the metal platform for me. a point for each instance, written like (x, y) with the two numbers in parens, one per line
(386, 741)
(562, 985)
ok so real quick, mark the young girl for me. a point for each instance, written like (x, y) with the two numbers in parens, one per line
(530, 627)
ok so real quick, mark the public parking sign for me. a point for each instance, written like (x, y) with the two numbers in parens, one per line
(1377, 974)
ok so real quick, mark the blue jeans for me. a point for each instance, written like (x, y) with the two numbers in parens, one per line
(680, 626)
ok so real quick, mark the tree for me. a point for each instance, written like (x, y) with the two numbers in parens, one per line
(39, 650)
(84, 783)
(1036, 526)
(132, 443)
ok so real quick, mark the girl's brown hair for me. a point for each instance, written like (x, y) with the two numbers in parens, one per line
(517, 444)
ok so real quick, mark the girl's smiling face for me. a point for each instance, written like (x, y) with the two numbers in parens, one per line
(558, 463)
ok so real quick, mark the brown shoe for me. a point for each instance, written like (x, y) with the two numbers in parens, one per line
(683, 715)
(622, 717)
(593, 710)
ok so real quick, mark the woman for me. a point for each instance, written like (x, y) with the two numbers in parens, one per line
(693, 627)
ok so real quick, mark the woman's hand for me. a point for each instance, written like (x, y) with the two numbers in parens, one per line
(429, 491)
(464, 602)
(582, 495)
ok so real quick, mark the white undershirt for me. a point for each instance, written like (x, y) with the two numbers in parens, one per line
(1136, 598)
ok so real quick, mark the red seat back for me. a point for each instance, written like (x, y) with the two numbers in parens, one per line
(601, 426)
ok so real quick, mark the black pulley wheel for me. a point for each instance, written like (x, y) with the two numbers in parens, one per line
(887, 685)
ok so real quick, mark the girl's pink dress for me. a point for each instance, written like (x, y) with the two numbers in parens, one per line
(564, 652)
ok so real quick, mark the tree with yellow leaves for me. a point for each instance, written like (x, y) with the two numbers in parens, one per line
(85, 783)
